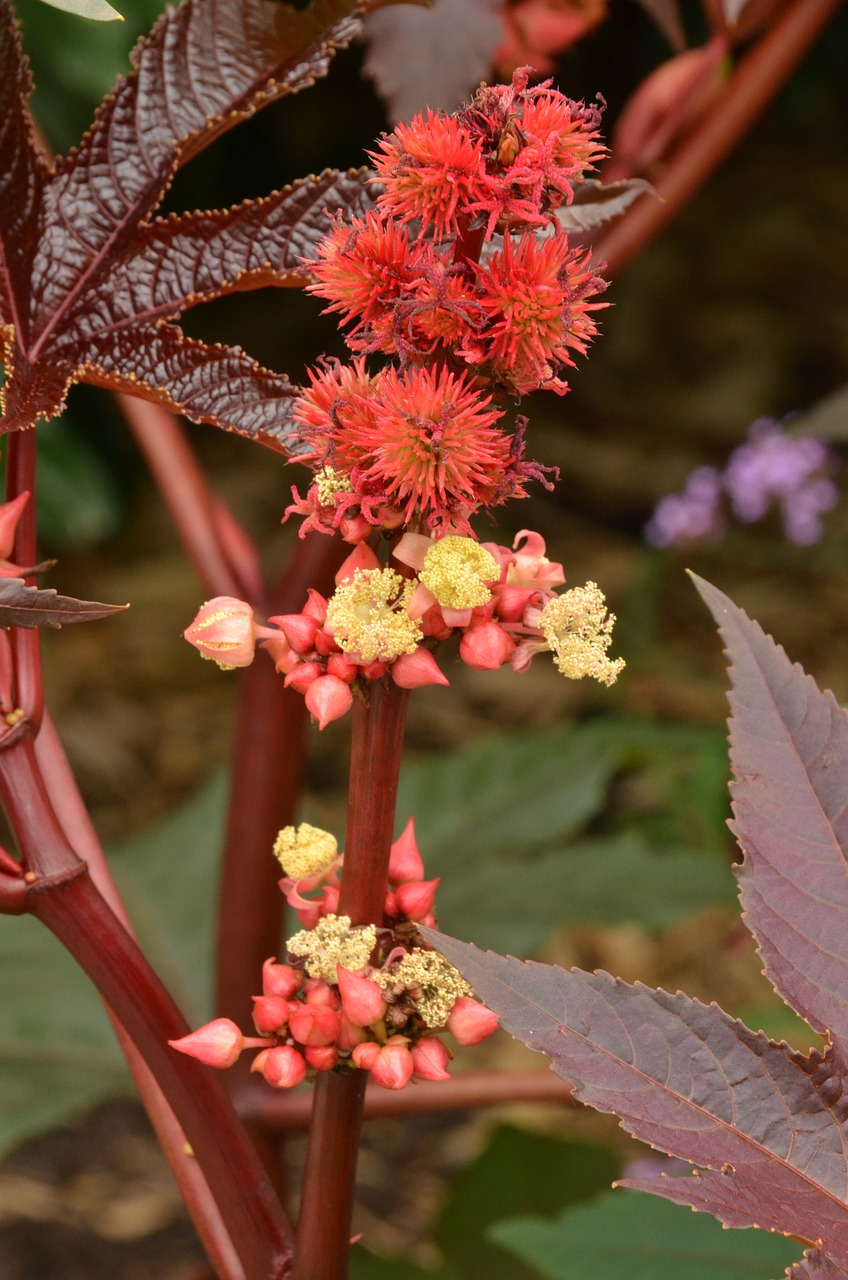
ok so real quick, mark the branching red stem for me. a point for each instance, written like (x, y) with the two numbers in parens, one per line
(20, 477)
(759, 76)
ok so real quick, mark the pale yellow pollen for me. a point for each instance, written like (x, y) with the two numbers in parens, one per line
(578, 630)
(332, 942)
(328, 482)
(436, 984)
(457, 569)
(305, 850)
(368, 617)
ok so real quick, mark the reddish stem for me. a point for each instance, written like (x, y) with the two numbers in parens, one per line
(20, 477)
(225, 562)
(472, 1089)
(323, 1230)
(62, 895)
(755, 82)
(76, 823)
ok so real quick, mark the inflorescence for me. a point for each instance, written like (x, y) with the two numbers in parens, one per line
(350, 996)
(462, 275)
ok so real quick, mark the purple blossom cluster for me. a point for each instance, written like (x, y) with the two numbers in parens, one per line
(771, 468)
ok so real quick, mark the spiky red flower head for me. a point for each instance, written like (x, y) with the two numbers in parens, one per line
(534, 293)
(432, 168)
(337, 394)
(429, 441)
(364, 267)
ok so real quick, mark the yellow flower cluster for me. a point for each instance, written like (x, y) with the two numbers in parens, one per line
(368, 616)
(456, 570)
(435, 984)
(305, 850)
(332, 942)
(578, 630)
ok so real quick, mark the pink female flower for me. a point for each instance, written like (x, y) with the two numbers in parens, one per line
(431, 168)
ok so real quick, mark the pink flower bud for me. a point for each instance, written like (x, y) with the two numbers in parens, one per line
(413, 670)
(302, 676)
(362, 557)
(486, 647)
(390, 906)
(430, 1058)
(415, 898)
(393, 1066)
(355, 528)
(218, 1044)
(316, 605)
(510, 602)
(310, 914)
(329, 900)
(284, 1067)
(299, 629)
(374, 670)
(323, 1057)
(405, 860)
(349, 1036)
(280, 979)
(224, 631)
(328, 698)
(362, 999)
(314, 1024)
(365, 1054)
(10, 514)
(469, 1022)
(341, 665)
(270, 1013)
(325, 643)
(319, 991)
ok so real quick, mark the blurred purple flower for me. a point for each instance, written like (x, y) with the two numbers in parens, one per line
(771, 467)
(690, 516)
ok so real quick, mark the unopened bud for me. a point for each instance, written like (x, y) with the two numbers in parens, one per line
(405, 860)
(486, 647)
(299, 629)
(393, 1066)
(224, 632)
(218, 1044)
(430, 1057)
(314, 1024)
(302, 676)
(469, 1022)
(414, 670)
(365, 1054)
(323, 1057)
(283, 1067)
(415, 898)
(328, 698)
(270, 1013)
(362, 999)
(280, 979)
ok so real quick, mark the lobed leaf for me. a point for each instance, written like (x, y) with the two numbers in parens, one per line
(22, 606)
(596, 203)
(767, 1123)
(789, 752)
(88, 278)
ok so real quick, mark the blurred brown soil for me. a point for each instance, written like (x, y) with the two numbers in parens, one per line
(740, 311)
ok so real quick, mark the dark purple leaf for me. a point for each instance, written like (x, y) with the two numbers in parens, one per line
(789, 752)
(431, 56)
(594, 203)
(816, 1266)
(82, 303)
(22, 606)
(767, 1123)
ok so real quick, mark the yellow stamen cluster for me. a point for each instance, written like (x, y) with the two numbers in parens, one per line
(456, 570)
(332, 942)
(578, 630)
(436, 984)
(368, 619)
(328, 482)
(305, 850)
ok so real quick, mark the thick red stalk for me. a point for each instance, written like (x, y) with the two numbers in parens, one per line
(62, 895)
(757, 79)
(77, 825)
(323, 1230)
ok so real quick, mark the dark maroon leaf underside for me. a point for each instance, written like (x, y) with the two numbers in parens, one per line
(768, 1123)
(789, 752)
(595, 203)
(22, 606)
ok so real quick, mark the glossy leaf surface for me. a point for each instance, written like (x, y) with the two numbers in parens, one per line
(91, 282)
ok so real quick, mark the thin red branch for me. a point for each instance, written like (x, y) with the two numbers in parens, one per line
(323, 1230)
(757, 79)
(472, 1090)
(225, 564)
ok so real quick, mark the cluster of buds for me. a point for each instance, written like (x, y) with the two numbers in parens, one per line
(499, 601)
(350, 997)
(463, 274)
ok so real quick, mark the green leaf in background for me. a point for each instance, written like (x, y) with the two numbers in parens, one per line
(623, 1235)
(79, 499)
(58, 1056)
(519, 1171)
(95, 10)
(513, 906)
